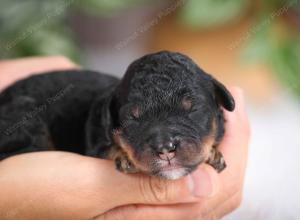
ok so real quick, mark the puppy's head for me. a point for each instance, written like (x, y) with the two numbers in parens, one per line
(168, 114)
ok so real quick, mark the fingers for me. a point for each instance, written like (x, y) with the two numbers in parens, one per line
(82, 187)
(86, 186)
(231, 204)
(234, 145)
(147, 212)
(188, 211)
(237, 129)
(134, 212)
(234, 148)
(12, 70)
(171, 212)
(204, 187)
(123, 189)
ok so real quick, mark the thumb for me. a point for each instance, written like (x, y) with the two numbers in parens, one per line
(122, 189)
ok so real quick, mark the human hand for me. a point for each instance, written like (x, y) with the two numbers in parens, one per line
(217, 194)
(57, 185)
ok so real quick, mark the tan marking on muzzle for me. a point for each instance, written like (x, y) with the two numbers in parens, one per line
(121, 148)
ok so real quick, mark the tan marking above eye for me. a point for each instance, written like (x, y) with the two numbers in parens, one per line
(186, 103)
(135, 111)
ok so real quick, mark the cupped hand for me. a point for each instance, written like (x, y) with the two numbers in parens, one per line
(217, 194)
(61, 185)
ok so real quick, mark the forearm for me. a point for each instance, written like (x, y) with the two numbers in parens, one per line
(29, 191)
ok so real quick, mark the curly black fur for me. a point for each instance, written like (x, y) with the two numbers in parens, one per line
(49, 110)
(80, 111)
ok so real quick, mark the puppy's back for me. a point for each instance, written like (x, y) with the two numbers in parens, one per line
(61, 99)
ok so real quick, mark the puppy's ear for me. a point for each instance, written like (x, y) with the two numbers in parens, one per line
(223, 96)
(99, 126)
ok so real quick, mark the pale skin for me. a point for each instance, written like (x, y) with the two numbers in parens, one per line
(61, 185)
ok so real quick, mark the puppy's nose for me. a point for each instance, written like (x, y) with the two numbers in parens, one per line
(167, 151)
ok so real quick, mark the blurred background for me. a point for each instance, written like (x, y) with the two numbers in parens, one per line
(252, 44)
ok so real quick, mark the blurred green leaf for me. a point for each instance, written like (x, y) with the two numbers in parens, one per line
(285, 60)
(208, 13)
(276, 44)
(35, 27)
(282, 55)
(258, 45)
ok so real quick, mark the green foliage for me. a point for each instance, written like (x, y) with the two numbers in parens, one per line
(276, 44)
(38, 27)
(285, 60)
(258, 47)
(209, 14)
(35, 27)
(281, 54)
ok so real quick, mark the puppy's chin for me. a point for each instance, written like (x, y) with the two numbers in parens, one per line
(173, 173)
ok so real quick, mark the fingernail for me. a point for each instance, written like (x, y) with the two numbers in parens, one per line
(201, 183)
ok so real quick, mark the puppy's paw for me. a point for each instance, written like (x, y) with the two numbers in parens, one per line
(124, 165)
(121, 159)
(216, 160)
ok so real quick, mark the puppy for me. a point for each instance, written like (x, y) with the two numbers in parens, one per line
(164, 117)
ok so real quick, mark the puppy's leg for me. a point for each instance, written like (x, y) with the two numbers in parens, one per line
(21, 128)
(122, 161)
(216, 160)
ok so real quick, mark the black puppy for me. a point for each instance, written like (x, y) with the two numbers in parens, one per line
(163, 118)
